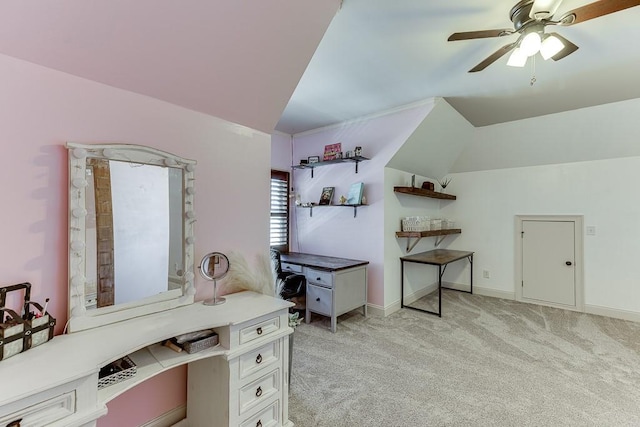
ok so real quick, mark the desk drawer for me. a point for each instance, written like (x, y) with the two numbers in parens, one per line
(259, 330)
(259, 391)
(268, 417)
(319, 299)
(259, 359)
(43, 413)
(319, 277)
(294, 268)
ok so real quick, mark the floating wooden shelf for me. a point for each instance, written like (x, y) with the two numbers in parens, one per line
(414, 191)
(420, 234)
(312, 166)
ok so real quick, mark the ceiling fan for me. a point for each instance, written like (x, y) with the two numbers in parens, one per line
(530, 17)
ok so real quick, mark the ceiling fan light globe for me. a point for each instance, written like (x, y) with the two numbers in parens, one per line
(530, 44)
(517, 58)
(550, 47)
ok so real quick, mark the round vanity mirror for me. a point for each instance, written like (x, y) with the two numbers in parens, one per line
(214, 266)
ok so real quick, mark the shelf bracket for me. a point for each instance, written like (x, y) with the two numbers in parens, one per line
(357, 166)
(312, 172)
(439, 240)
(355, 211)
(410, 245)
(311, 207)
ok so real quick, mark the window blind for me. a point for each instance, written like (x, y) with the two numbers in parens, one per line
(279, 225)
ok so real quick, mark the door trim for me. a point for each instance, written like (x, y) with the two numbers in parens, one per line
(578, 221)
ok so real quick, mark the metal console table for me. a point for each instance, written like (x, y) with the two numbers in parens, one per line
(441, 258)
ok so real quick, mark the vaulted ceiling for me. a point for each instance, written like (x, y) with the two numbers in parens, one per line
(270, 65)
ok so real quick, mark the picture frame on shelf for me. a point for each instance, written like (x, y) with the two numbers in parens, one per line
(326, 196)
(313, 159)
(354, 197)
(357, 152)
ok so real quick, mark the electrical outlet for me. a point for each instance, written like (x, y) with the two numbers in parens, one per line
(486, 274)
(591, 230)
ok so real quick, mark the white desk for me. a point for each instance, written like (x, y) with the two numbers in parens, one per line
(334, 285)
(243, 381)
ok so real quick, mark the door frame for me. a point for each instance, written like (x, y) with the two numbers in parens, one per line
(578, 229)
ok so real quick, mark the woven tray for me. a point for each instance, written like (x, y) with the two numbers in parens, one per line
(201, 344)
(115, 372)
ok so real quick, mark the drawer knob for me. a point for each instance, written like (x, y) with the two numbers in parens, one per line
(259, 423)
(259, 392)
(318, 278)
(318, 299)
(259, 359)
(259, 331)
(15, 423)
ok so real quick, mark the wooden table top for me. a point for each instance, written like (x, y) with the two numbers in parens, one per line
(437, 256)
(320, 262)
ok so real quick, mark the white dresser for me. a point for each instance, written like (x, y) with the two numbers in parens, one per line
(335, 286)
(241, 382)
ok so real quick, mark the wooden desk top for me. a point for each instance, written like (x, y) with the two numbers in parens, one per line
(320, 262)
(437, 256)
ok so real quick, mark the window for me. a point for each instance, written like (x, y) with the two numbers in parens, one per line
(279, 228)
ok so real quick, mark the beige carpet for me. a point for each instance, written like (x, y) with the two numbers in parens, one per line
(486, 362)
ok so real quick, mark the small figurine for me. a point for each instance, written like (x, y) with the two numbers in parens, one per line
(343, 200)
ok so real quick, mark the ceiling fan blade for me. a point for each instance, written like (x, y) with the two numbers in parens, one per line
(544, 9)
(568, 49)
(595, 10)
(494, 57)
(480, 34)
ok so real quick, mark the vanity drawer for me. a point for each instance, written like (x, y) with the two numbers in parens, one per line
(294, 268)
(319, 299)
(319, 277)
(259, 330)
(43, 413)
(268, 417)
(259, 359)
(259, 391)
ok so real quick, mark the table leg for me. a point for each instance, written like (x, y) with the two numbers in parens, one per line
(439, 291)
(401, 284)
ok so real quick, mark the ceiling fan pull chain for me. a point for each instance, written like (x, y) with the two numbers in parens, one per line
(533, 71)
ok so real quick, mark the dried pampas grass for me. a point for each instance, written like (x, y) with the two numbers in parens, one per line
(243, 277)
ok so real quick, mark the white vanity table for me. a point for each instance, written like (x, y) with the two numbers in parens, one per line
(126, 296)
(241, 382)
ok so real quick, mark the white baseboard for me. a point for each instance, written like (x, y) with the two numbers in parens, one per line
(479, 290)
(173, 418)
(616, 313)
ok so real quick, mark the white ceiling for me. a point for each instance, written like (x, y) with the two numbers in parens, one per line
(381, 54)
(243, 60)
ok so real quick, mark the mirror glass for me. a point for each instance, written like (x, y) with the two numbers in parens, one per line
(139, 209)
(130, 233)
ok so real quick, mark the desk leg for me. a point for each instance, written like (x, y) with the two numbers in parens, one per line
(401, 284)
(471, 281)
(440, 290)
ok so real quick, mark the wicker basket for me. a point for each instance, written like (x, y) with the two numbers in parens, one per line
(115, 372)
(416, 223)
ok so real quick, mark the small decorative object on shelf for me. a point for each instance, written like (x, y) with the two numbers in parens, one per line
(331, 151)
(357, 151)
(313, 159)
(115, 372)
(444, 182)
(428, 185)
(304, 161)
(343, 200)
(326, 196)
(348, 154)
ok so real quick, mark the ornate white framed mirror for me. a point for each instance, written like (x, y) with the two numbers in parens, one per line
(131, 243)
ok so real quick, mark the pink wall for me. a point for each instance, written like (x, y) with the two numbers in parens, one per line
(334, 231)
(281, 152)
(40, 109)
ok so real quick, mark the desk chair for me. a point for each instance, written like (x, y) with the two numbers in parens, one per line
(289, 286)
